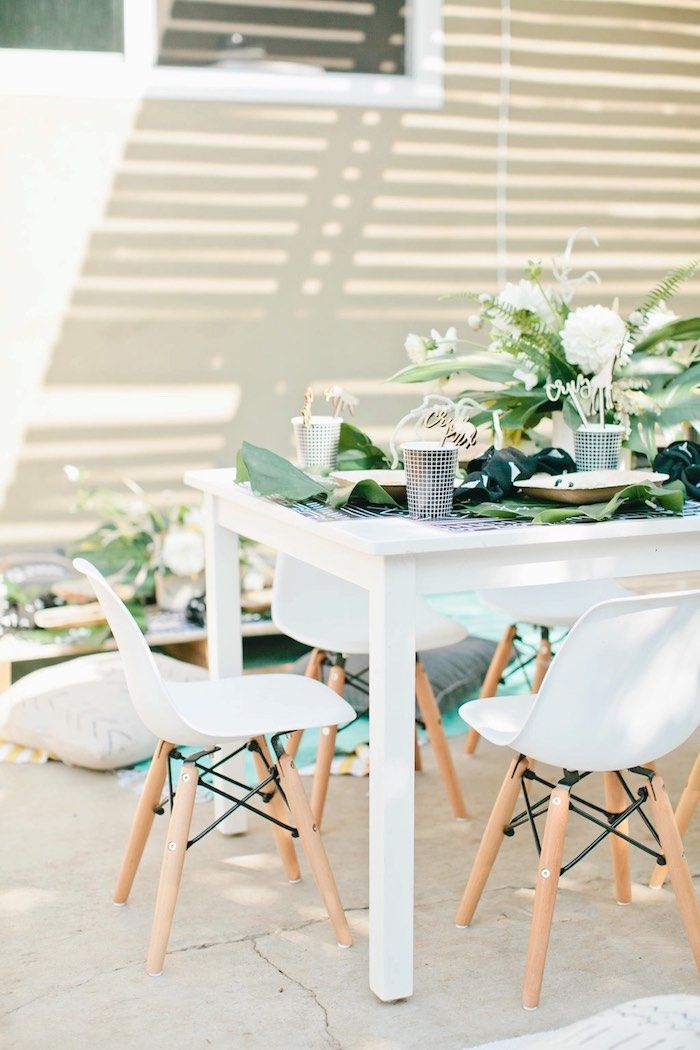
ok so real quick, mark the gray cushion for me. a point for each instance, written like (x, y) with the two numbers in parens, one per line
(455, 672)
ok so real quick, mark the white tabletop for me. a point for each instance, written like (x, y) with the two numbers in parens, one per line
(400, 536)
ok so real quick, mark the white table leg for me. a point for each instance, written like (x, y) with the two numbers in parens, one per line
(224, 640)
(392, 724)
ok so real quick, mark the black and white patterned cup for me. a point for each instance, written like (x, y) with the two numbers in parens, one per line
(430, 478)
(598, 447)
(317, 444)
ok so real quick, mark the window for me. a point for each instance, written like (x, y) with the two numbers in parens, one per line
(62, 25)
(355, 52)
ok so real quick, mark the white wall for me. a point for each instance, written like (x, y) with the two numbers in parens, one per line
(175, 277)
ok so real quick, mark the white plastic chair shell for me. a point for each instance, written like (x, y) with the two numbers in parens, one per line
(328, 613)
(551, 604)
(623, 690)
(211, 712)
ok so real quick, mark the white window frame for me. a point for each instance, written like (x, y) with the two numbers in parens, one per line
(135, 74)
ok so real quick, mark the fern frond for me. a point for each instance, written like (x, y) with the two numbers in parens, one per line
(668, 286)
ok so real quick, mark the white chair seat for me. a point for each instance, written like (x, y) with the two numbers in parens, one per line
(254, 705)
(349, 634)
(328, 613)
(551, 604)
(498, 719)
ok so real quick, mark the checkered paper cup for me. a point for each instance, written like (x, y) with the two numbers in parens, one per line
(599, 447)
(317, 444)
(430, 478)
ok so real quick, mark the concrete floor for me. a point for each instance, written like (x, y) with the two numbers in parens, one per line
(252, 963)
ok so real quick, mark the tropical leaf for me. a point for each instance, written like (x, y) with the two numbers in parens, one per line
(675, 332)
(272, 475)
(356, 451)
(365, 491)
(668, 287)
(681, 410)
(494, 368)
(669, 498)
(686, 378)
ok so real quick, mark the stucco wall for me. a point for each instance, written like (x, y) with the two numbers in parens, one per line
(174, 274)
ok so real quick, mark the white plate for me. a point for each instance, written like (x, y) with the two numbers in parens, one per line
(586, 486)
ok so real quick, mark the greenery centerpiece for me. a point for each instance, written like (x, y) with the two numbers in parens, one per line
(153, 544)
(544, 355)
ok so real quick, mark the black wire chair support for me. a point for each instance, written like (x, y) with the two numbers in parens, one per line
(209, 771)
(582, 807)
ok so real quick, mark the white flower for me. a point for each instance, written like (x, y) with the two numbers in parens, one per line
(415, 348)
(526, 374)
(182, 551)
(592, 337)
(475, 321)
(444, 344)
(658, 318)
(525, 295)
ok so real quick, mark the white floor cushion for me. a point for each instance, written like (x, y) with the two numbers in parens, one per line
(80, 711)
(661, 1022)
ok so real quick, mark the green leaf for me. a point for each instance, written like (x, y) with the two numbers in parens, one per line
(365, 491)
(670, 498)
(668, 287)
(681, 410)
(676, 332)
(495, 368)
(687, 377)
(272, 475)
(356, 451)
(571, 416)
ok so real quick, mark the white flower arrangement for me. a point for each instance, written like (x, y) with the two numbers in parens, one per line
(641, 370)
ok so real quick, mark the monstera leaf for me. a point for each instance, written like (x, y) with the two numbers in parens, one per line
(272, 475)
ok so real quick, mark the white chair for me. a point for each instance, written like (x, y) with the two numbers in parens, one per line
(235, 713)
(548, 606)
(623, 689)
(332, 616)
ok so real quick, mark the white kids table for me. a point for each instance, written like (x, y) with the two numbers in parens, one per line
(395, 558)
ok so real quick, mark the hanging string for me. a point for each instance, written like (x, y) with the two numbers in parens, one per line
(502, 147)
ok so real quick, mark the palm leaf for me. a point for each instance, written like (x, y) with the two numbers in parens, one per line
(676, 332)
(492, 367)
(668, 287)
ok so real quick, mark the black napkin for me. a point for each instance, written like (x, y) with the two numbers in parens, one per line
(681, 461)
(492, 475)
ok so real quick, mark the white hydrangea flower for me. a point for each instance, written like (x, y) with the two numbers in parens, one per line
(415, 348)
(182, 551)
(657, 318)
(592, 337)
(444, 344)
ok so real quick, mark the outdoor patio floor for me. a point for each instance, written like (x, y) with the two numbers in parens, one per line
(252, 960)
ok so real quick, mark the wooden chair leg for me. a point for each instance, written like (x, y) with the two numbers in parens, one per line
(499, 662)
(679, 873)
(143, 821)
(417, 760)
(171, 869)
(313, 670)
(326, 750)
(310, 836)
(545, 895)
(430, 713)
(542, 661)
(491, 840)
(615, 802)
(283, 839)
(684, 812)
